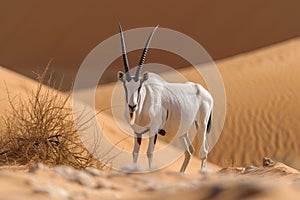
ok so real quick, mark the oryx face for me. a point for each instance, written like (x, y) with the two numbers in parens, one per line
(133, 84)
(132, 87)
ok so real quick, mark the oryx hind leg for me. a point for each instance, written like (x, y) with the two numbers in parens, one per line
(188, 153)
(206, 110)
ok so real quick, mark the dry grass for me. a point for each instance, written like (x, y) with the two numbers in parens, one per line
(40, 128)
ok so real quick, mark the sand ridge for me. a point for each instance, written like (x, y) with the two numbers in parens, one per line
(32, 33)
(263, 109)
(262, 89)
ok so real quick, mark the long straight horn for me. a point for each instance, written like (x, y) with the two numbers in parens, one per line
(142, 60)
(124, 54)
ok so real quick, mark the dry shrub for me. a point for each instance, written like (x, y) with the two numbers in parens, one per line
(40, 128)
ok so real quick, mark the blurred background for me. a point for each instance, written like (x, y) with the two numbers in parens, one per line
(32, 32)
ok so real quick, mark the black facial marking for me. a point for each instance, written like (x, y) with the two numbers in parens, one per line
(162, 132)
(155, 138)
(126, 93)
(132, 107)
(121, 77)
(139, 89)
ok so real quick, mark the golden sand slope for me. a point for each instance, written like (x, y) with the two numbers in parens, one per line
(18, 86)
(263, 109)
(32, 33)
(263, 105)
(13, 84)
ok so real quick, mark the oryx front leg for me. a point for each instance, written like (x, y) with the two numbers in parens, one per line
(152, 141)
(137, 145)
(188, 153)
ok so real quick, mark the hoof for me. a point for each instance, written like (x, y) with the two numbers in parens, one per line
(206, 171)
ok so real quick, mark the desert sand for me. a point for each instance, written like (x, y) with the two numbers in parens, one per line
(263, 109)
(275, 181)
(262, 112)
(262, 106)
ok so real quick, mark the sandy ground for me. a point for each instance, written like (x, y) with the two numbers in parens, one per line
(276, 181)
(262, 112)
(263, 109)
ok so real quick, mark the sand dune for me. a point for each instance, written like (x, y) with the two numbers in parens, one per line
(262, 98)
(262, 112)
(262, 120)
(13, 84)
(263, 107)
(33, 32)
(19, 86)
(262, 87)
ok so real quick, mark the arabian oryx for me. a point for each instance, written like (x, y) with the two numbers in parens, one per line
(155, 106)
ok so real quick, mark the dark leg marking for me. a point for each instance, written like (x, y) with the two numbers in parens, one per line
(197, 125)
(162, 132)
(139, 140)
(155, 138)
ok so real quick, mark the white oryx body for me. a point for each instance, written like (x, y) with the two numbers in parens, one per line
(159, 107)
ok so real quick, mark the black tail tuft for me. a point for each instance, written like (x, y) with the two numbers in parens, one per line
(208, 124)
(162, 132)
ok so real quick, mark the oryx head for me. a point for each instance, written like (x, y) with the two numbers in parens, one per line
(132, 83)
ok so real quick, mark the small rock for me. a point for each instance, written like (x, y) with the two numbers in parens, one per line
(77, 176)
(146, 180)
(38, 166)
(116, 174)
(268, 162)
(189, 184)
(65, 171)
(85, 179)
(105, 183)
(52, 191)
(250, 168)
(231, 170)
(95, 172)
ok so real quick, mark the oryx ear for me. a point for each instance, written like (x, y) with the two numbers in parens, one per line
(120, 76)
(145, 76)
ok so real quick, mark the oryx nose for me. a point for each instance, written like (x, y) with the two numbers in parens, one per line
(132, 108)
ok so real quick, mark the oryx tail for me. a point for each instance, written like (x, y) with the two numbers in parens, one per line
(208, 127)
